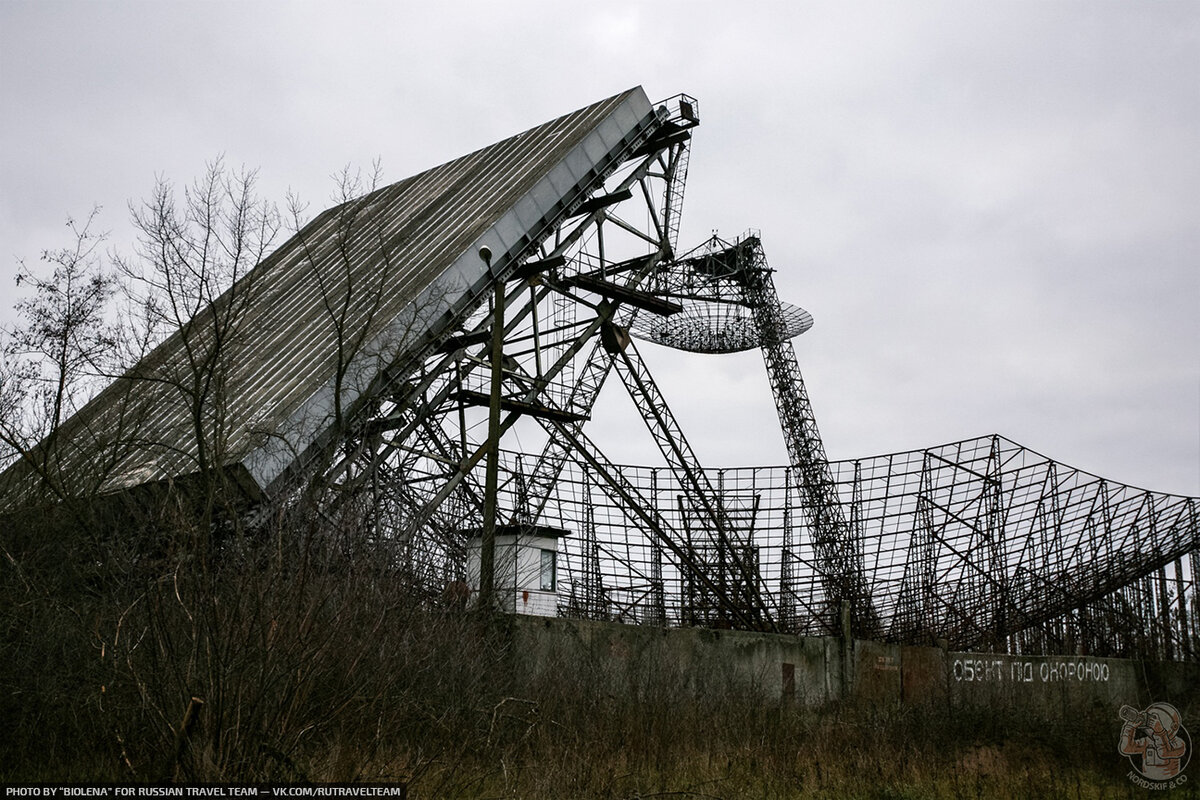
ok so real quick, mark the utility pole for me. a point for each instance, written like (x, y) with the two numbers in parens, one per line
(487, 554)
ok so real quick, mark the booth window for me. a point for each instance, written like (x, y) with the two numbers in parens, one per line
(549, 559)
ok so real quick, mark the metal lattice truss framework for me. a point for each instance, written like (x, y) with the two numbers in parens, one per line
(369, 385)
(980, 543)
(720, 276)
(271, 379)
(418, 459)
(983, 543)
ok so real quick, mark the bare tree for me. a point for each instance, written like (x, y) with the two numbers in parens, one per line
(351, 304)
(288, 632)
(58, 354)
(193, 278)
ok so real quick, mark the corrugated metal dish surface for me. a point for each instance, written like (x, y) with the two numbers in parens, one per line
(409, 260)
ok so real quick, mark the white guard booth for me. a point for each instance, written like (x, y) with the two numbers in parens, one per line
(526, 572)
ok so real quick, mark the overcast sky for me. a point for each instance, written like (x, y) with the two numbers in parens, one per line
(991, 209)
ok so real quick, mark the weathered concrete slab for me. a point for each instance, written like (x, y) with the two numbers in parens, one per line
(791, 670)
(1042, 683)
(923, 675)
(877, 673)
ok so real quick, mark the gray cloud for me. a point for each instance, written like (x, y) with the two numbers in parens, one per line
(990, 209)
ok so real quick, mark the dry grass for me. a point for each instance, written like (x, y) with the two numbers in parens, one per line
(321, 666)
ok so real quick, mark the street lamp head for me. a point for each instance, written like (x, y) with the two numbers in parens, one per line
(485, 253)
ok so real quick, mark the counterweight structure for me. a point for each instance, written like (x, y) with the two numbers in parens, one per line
(362, 377)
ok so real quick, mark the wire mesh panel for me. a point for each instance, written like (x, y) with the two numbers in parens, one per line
(981, 543)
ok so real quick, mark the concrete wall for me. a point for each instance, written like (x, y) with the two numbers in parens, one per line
(624, 657)
(816, 671)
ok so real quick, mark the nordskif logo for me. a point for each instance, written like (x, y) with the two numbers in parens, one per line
(1157, 745)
